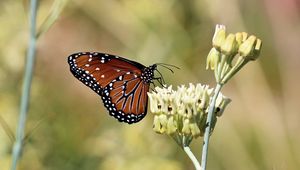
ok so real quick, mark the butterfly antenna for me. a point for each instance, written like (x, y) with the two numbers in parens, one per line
(167, 66)
(170, 65)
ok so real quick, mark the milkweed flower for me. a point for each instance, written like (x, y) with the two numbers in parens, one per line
(182, 113)
(231, 52)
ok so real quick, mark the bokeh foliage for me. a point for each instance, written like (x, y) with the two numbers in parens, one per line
(259, 130)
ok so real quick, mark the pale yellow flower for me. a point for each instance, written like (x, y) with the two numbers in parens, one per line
(228, 47)
(182, 112)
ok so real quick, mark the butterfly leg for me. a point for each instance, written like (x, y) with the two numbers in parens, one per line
(160, 80)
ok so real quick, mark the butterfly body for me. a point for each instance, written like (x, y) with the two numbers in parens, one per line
(122, 84)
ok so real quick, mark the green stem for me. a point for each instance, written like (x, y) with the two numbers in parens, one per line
(221, 65)
(191, 155)
(239, 64)
(17, 149)
(208, 126)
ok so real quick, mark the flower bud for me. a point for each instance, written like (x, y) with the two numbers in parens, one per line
(156, 124)
(213, 58)
(154, 104)
(186, 127)
(219, 36)
(256, 50)
(240, 37)
(159, 124)
(247, 46)
(171, 126)
(221, 104)
(195, 130)
(244, 36)
(229, 47)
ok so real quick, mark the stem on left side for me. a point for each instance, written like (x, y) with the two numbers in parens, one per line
(18, 145)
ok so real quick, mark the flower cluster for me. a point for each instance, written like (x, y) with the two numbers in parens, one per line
(182, 113)
(230, 53)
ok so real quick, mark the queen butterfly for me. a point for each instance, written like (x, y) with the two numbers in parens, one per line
(122, 84)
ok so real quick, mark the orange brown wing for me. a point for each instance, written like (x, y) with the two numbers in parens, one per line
(117, 80)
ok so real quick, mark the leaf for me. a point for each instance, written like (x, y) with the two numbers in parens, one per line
(56, 9)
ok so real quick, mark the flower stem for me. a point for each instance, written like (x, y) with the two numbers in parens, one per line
(208, 126)
(190, 154)
(240, 63)
(17, 149)
(192, 157)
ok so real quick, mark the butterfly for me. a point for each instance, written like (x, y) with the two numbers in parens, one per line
(122, 84)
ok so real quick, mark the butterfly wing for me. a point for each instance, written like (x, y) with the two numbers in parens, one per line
(117, 80)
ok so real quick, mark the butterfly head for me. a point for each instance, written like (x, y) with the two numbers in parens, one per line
(148, 73)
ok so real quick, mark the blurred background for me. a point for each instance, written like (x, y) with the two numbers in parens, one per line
(68, 127)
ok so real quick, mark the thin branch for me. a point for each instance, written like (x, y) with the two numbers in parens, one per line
(192, 157)
(7, 129)
(190, 154)
(17, 149)
(31, 132)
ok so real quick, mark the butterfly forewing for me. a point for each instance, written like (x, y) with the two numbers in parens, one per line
(117, 80)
